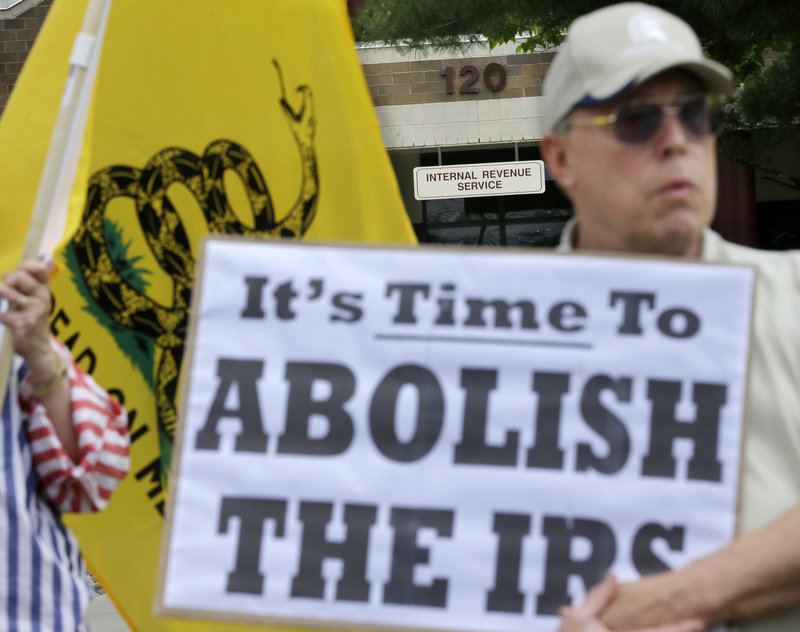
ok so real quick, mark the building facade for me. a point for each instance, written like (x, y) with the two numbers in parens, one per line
(478, 107)
(484, 105)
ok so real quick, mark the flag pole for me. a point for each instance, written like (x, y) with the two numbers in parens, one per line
(67, 136)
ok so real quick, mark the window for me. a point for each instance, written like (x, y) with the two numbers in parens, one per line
(533, 221)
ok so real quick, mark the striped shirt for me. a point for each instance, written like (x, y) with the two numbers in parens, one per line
(43, 581)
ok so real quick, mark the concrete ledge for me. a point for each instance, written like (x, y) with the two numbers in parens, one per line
(13, 8)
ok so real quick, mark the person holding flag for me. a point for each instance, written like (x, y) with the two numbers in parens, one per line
(65, 447)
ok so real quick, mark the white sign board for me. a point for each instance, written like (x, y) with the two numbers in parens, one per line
(448, 439)
(477, 180)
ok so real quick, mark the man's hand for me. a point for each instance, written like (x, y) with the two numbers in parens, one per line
(586, 617)
(755, 575)
(652, 600)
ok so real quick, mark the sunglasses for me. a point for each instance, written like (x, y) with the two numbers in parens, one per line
(637, 122)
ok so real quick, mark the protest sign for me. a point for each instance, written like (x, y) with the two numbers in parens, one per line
(448, 439)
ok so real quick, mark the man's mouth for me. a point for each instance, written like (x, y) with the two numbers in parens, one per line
(677, 189)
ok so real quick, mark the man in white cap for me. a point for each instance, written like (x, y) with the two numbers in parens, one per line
(632, 117)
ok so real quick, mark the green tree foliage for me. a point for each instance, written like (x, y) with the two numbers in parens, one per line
(738, 33)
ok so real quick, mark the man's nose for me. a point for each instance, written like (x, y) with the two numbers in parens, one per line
(673, 136)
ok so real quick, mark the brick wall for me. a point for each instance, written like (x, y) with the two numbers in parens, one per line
(16, 39)
(413, 82)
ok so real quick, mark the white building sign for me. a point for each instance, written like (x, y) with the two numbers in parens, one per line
(448, 439)
(476, 180)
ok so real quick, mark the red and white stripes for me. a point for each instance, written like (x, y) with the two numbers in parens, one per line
(101, 427)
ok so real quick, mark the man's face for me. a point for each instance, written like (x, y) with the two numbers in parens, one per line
(654, 197)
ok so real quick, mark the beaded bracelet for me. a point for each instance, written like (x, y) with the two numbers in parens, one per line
(43, 389)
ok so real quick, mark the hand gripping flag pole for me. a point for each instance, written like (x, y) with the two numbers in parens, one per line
(49, 215)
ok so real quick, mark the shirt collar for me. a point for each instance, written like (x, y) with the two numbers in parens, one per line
(712, 242)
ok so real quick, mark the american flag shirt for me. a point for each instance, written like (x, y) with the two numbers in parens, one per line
(43, 580)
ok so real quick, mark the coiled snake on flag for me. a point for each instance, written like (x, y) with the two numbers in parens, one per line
(167, 238)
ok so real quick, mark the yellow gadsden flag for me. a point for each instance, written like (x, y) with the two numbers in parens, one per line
(246, 117)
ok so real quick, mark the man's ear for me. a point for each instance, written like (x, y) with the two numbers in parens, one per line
(555, 153)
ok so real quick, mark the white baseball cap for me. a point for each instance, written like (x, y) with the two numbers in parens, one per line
(612, 50)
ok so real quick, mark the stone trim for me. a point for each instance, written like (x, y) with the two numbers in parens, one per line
(12, 8)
